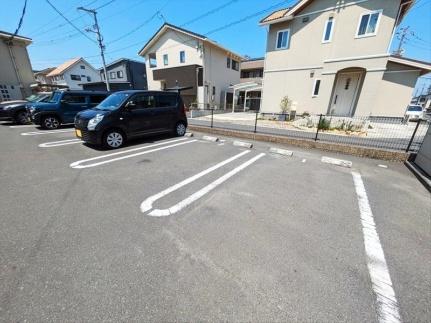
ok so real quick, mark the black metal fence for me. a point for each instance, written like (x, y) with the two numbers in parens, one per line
(393, 133)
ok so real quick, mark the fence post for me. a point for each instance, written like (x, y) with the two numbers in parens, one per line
(413, 135)
(255, 122)
(212, 117)
(318, 125)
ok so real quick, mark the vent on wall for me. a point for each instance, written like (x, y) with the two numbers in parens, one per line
(305, 19)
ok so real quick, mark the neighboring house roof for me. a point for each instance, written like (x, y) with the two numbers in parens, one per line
(45, 71)
(425, 67)
(5, 34)
(254, 63)
(167, 26)
(66, 65)
(120, 60)
(288, 13)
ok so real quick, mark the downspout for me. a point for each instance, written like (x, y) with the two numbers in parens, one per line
(18, 76)
(395, 25)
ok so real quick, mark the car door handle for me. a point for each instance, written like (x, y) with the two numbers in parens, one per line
(121, 118)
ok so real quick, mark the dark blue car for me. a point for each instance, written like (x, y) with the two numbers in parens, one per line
(62, 107)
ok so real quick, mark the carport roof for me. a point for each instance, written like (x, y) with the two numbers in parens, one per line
(425, 67)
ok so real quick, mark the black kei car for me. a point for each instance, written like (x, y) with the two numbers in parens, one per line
(17, 110)
(129, 114)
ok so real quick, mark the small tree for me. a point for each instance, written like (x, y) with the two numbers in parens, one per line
(285, 104)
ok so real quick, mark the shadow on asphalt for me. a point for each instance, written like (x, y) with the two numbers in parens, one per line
(134, 142)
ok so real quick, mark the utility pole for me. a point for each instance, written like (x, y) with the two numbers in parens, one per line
(402, 34)
(100, 41)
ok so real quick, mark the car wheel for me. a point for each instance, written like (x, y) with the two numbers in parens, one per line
(113, 139)
(50, 122)
(21, 117)
(180, 129)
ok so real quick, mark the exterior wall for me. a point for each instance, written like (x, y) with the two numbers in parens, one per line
(42, 78)
(394, 90)
(216, 73)
(8, 76)
(137, 75)
(292, 71)
(171, 43)
(76, 70)
(114, 69)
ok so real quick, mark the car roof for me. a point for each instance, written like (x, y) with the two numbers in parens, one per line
(146, 91)
(83, 92)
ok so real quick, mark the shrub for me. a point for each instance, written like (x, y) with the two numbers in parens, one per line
(285, 104)
(324, 124)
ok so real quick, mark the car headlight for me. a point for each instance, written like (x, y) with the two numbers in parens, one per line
(94, 122)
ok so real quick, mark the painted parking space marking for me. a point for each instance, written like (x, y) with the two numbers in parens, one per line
(176, 142)
(148, 203)
(23, 126)
(60, 143)
(36, 133)
(387, 305)
(197, 195)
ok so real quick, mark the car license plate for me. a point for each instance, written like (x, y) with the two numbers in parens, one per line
(78, 133)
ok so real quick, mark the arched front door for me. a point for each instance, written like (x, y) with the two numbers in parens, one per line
(345, 93)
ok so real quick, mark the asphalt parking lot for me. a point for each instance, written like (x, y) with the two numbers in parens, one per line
(184, 229)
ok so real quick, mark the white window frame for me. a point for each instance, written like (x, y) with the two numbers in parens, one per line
(380, 11)
(314, 88)
(165, 59)
(287, 42)
(184, 53)
(326, 27)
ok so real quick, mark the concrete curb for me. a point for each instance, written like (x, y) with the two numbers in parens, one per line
(243, 144)
(337, 162)
(426, 182)
(305, 143)
(210, 138)
(280, 151)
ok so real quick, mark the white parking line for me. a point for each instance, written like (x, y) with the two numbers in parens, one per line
(35, 133)
(148, 203)
(197, 195)
(60, 143)
(387, 305)
(23, 126)
(181, 141)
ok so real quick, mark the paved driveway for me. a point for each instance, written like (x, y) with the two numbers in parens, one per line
(183, 229)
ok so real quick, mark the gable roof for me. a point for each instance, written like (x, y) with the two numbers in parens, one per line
(288, 13)
(166, 26)
(121, 60)
(45, 71)
(5, 34)
(68, 64)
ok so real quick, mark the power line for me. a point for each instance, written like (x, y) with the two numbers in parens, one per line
(208, 13)
(20, 22)
(70, 23)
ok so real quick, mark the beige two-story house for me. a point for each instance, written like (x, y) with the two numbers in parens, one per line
(179, 58)
(332, 57)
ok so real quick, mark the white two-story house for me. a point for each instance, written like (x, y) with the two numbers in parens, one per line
(176, 57)
(332, 57)
(74, 73)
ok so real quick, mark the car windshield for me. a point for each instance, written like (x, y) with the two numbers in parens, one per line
(415, 108)
(32, 98)
(112, 102)
(55, 97)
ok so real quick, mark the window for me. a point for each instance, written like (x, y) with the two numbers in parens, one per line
(120, 74)
(214, 90)
(77, 99)
(235, 65)
(228, 62)
(368, 24)
(96, 99)
(346, 87)
(165, 59)
(73, 77)
(82, 67)
(88, 79)
(282, 39)
(327, 33)
(152, 59)
(112, 75)
(144, 101)
(182, 56)
(316, 87)
(167, 100)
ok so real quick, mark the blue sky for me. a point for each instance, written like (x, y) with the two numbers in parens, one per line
(56, 41)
